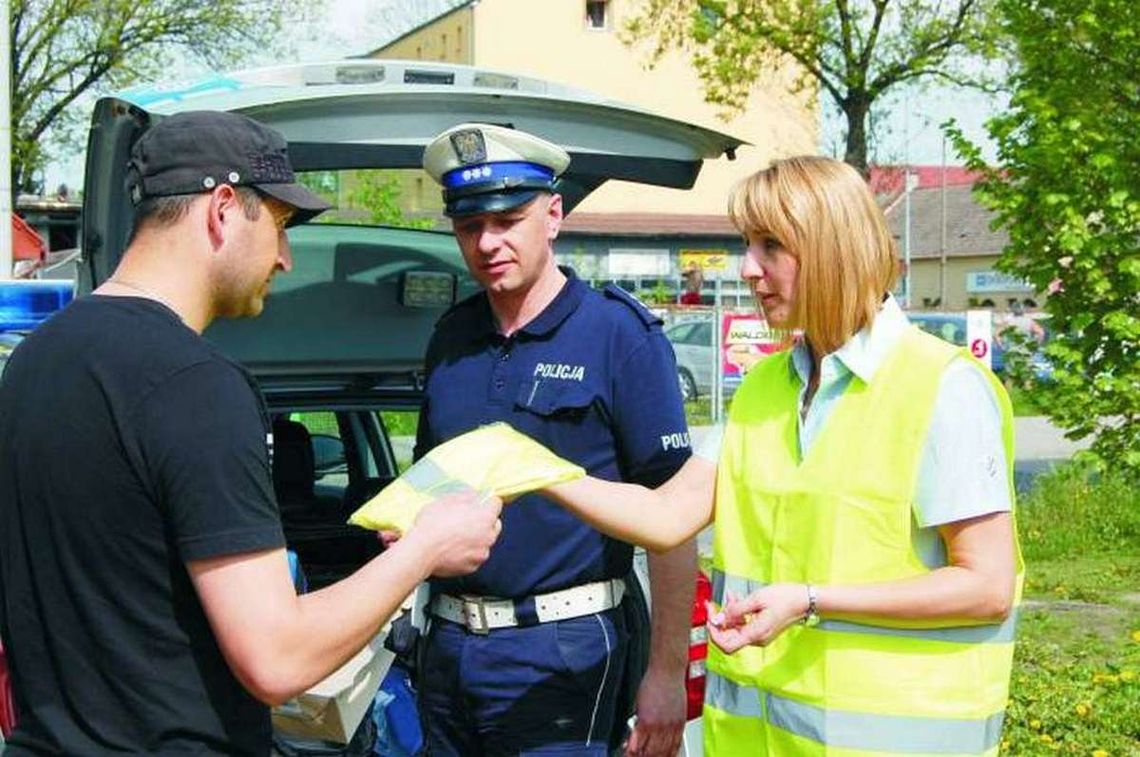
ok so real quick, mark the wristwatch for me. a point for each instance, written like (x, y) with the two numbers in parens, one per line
(811, 617)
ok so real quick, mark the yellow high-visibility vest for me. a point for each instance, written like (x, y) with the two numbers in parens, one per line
(843, 515)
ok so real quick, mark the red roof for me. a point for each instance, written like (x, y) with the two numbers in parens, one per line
(888, 180)
(26, 243)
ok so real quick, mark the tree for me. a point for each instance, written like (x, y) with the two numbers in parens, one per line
(854, 50)
(62, 49)
(379, 193)
(1068, 192)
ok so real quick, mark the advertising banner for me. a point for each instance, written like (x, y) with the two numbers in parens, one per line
(706, 260)
(745, 339)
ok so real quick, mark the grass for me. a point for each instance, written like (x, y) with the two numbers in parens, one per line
(1076, 682)
(1076, 678)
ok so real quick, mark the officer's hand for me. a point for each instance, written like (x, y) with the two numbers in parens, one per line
(457, 531)
(758, 618)
(660, 722)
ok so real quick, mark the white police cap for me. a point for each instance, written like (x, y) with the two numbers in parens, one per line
(486, 168)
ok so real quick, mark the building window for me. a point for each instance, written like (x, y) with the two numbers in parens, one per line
(597, 14)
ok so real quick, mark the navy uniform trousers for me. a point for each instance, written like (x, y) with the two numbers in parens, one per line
(543, 689)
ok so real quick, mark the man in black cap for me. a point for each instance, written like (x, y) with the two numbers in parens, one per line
(145, 599)
(528, 654)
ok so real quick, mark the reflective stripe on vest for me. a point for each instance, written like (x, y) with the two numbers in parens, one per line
(867, 731)
(990, 633)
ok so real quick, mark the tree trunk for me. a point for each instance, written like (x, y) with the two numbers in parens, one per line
(856, 108)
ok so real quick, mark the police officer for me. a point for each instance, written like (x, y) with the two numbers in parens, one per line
(528, 653)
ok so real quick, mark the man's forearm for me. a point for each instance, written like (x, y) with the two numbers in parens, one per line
(672, 580)
(356, 607)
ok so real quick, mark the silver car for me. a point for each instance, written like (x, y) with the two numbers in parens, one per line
(696, 359)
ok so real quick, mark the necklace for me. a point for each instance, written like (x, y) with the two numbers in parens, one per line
(148, 294)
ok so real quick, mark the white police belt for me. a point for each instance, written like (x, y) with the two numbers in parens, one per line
(482, 614)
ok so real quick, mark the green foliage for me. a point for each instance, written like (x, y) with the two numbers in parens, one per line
(658, 294)
(854, 50)
(1023, 402)
(379, 193)
(400, 422)
(61, 49)
(1067, 190)
(698, 412)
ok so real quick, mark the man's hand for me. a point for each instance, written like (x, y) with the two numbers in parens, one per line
(457, 532)
(661, 698)
(660, 716)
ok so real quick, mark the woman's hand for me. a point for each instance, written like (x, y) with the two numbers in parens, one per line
(758, 618)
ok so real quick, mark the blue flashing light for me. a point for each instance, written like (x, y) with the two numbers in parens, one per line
(147, 97)
(26, 304)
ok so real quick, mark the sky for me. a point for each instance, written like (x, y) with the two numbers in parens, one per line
(353, 27)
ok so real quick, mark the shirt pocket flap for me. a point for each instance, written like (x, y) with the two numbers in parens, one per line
(554, 397)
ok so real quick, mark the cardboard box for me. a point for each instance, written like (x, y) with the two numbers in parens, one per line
(333, 709)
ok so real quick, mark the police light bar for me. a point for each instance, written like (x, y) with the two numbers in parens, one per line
(427, 289)
(26, 304)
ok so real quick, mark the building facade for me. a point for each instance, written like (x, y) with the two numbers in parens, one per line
(620, 233)
(952, 251)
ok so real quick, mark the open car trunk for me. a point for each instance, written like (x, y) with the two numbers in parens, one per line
(345, 311)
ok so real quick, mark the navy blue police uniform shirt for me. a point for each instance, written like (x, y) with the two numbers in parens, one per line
(595, 380)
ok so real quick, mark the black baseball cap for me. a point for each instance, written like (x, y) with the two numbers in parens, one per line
(195, 151)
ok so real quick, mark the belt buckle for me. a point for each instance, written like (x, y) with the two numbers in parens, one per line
(475, 609)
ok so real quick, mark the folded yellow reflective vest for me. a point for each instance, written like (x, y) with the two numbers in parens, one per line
(493, 458)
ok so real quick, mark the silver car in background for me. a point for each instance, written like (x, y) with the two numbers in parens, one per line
(696, 357)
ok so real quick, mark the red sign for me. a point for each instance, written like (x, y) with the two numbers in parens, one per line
(979, 348)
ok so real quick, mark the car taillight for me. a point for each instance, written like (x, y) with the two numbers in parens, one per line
(698, 649)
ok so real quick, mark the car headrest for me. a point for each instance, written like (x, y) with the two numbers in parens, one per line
(293, 466)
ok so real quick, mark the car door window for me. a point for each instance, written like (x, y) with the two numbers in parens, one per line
(400, 427)
(702, 334)
(679, 334)
(330, 464)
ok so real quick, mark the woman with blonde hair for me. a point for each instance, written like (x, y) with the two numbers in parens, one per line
(865, 559)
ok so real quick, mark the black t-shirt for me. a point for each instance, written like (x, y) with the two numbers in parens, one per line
(128, 446)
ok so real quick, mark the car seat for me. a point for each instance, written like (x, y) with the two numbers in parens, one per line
(294, 474)
(315, 524)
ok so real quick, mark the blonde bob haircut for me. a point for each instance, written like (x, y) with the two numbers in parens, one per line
(822, 212)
